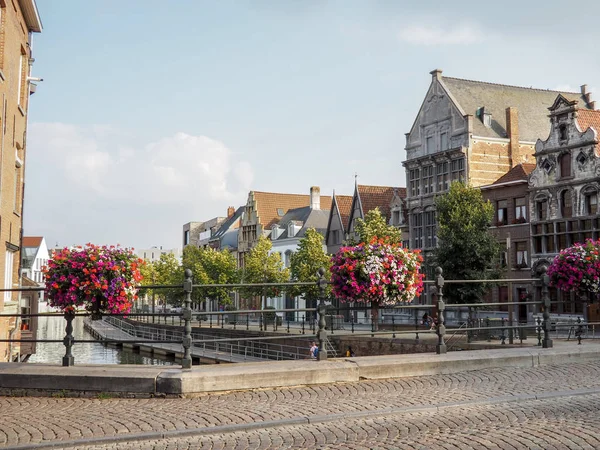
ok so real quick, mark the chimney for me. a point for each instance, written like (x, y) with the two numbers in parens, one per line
(512, 129)
(315, 197)
(230, 212)
(584, 89)
(436, 74)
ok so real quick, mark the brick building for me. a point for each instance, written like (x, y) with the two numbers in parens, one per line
(472, 131)
(18, 21)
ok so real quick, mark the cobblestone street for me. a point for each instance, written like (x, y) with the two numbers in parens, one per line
(544, 407)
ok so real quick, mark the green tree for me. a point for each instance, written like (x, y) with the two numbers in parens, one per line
(305, 263)
(261, 266)
(210, 266)
(374, 225)
(466, 248)
(169, 272)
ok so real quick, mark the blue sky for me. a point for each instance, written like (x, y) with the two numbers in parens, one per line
(153, 114)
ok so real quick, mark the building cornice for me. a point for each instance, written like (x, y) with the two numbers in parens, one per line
(31, 15)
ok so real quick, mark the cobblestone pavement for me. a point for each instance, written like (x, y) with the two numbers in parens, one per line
(557, 423)
(26, 421)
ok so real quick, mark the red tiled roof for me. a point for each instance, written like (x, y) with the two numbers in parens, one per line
(518, 173)
(31, 241)
(372, 197)
(267, 204)
(344, 203)
(590, 119)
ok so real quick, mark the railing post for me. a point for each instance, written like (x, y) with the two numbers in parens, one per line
(186, 313)
(579, 331)
(68, 359)
(303, 332)
(538, 330)
(547, 342)
(503, 336)
(322, 333)
(440, 348)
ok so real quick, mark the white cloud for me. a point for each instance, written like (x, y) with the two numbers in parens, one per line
(441, 35)
(103, 188)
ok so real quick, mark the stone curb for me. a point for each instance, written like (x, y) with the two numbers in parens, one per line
(301, 420)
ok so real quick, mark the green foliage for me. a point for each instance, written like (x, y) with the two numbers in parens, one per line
(375, 226)
(165, 271)
(210, 266)
(262, 267)
(305, 263)
(466, 248)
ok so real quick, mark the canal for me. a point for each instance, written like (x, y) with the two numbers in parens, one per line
(84, 353)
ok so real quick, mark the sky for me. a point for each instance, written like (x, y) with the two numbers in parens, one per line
(153, 114)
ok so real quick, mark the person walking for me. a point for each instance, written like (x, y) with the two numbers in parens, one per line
(314, 350)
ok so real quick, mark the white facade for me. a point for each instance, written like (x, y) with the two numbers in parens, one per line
(152, 254)
(35, 258)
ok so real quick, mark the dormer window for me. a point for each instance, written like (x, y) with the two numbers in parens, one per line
(487, 119)
(562, 132)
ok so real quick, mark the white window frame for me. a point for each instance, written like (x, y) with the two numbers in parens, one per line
(8, 274)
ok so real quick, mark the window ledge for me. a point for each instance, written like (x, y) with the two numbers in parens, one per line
(2, 77)
(21, 110)
(16, 214)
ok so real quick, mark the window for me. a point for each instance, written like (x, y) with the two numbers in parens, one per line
(428, 180)
(8, 274)
(521, 248)
(430, 144)
(442, 177)
(335, 236)
(565, 165)
(280, 212)
(288, 258)
(591, 203)
(566, 208)
(562, 132)
(186, 239)
(417, 220)
(520, 210)
(430, 238)
(542, 209)
(415, 181)
(396, 216)
(16, 205)
(502, 212)
(20, 81)
(444, 141)
(457, 167)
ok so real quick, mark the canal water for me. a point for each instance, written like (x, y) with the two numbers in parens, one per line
(85, 353)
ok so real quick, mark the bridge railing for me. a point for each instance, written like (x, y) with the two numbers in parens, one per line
(317, 323)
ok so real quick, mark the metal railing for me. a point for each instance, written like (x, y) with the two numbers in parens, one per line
(403, 317)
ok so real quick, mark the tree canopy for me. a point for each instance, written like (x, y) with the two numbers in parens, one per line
(305, 263)
(166, 271)
(467, 250)
(210, 266)
(374, 225)
(261, 266)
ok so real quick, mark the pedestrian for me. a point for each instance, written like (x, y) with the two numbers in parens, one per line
(314, 350)
(349, 352)
(427, 321)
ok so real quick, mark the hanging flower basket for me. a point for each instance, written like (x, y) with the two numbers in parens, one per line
(577, 268)
(99, 278)
(380, 273)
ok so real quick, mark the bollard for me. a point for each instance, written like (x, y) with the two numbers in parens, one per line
(322, 309)
(546, 342)
(210, 320)
(68, 359)
(288, 325)
(440, 348)
(579, 331)
(186, 313)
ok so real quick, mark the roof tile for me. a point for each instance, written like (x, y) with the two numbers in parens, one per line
(268, 203)
(518, 173)
(32, 241)
(590, 119)
(372, 197)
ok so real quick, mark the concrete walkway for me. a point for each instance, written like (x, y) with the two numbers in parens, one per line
(151, 381)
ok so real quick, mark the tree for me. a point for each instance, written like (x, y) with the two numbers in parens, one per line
(305, 263)
(375, 226)
(169, 272)
(260, 266)
(466, 248)
(210, 266)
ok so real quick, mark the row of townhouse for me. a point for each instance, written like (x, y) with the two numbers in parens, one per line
(285, 218)
(533, 152)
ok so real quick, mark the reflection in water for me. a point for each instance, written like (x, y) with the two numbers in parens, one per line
(84, 353)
